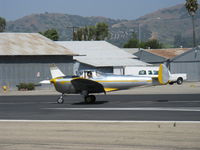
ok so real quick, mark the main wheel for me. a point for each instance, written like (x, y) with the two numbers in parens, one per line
(90, 99)
(60, 100)
(93, 98)
(179, 81)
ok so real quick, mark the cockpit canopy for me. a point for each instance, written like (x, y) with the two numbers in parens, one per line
(89, 73)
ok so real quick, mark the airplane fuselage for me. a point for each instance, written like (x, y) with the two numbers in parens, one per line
(88, 82)
(110, 83)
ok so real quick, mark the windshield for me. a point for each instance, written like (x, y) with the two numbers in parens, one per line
(95, 73)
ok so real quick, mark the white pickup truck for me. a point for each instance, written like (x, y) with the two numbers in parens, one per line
(177, 78)
(153, 72)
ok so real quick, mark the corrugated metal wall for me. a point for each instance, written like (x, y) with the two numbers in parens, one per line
(192, 69)
(26, 69)
(188, 63)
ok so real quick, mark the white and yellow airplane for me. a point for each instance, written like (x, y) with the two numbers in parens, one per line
(88, 82)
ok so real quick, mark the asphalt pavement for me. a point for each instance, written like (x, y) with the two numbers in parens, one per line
(146, 118)
(163, 107)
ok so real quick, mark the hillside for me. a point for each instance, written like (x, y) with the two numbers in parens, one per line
(61, 22)
(164, 24)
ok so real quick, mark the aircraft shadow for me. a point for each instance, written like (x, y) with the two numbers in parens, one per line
(96, 103)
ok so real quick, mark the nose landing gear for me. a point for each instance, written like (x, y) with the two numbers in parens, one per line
(60, 100)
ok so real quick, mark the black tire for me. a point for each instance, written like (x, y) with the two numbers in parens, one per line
(90, 99)
(87, 99)
(179, 81)
(93, 99)
(60, 100)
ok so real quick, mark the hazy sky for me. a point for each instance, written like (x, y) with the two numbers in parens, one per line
(116, 9)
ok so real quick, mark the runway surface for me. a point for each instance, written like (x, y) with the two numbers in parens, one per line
(176, 107)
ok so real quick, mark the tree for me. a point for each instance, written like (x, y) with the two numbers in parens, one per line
(51, 34)
(101, 31)
(192, 6)
(133, 42)
(153, 44)
(98, 32)
(2, 24)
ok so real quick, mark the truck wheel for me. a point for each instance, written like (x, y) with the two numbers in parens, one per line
(179, 81)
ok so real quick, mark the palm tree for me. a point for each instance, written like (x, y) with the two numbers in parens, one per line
(2, 24)
(192, 6)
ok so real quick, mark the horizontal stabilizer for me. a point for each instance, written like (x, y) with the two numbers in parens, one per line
(163, 74)
(56, 72)
(45, 82)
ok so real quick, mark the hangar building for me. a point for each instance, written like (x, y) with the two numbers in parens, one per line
(179, 60)
(25, 58)
(102, 56)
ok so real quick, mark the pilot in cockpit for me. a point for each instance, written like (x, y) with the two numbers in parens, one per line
(89, 74)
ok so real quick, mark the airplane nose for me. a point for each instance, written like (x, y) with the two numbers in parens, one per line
(53, 81)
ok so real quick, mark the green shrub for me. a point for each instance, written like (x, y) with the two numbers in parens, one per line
(30, 86)
(26, 86)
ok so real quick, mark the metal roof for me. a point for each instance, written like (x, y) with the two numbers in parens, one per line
(131, 50)
(168, 53)
(100, 53)
(30, 44)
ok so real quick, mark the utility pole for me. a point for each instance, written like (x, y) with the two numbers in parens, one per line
(73, 30)
(139, 35)
(139, 29)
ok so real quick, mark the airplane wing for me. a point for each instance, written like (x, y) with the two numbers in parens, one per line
(87, 85)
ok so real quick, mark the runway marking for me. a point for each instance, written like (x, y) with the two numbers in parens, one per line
(197, 109)
(97, 121)
(25, 103)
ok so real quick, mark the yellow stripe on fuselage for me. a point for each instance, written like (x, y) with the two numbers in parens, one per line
(102, 81)
(110, 89)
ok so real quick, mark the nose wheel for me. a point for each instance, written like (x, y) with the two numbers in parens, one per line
(60, 100)
(90, 99)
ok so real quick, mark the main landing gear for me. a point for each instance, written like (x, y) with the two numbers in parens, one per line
(89, 99)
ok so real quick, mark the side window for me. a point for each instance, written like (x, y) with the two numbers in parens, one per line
(155, 72)
(150, 72)
(142, 72)
(89, 74)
